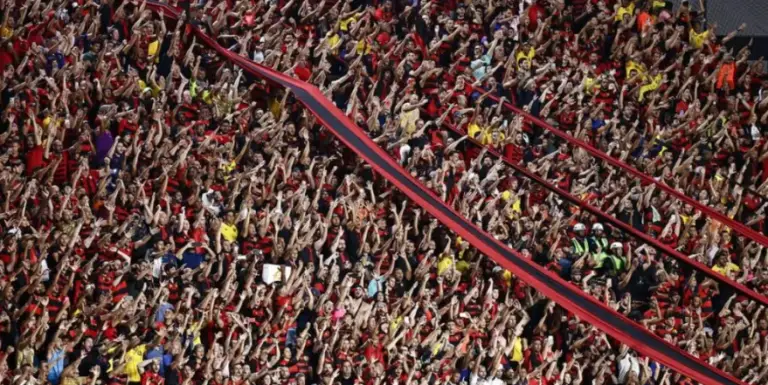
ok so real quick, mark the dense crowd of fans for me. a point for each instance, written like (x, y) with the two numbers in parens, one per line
(150, 189)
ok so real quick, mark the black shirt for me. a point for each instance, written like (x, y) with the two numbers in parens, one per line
(347, 381)
(173, 376)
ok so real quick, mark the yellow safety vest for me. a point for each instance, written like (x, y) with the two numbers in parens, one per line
(579, 248)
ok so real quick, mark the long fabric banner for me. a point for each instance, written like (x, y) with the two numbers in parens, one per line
(570, 298)
(710, 212)
(698, 266)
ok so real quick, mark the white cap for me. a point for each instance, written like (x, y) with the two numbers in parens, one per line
(579, 227)
(616, 245)
(597, 226)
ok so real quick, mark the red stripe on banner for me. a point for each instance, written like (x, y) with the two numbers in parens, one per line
(617, 223)
(722, 218)
(552, 286)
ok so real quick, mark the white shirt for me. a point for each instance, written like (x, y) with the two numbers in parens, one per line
(46, 271)
(157, 267)
(258, 56)
(209, 205)
(627, 365)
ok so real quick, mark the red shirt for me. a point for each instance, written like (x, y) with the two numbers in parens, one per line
(303, 73)
(535, 12)
(149, 378)
(35, 159)
(6, 59)
(382, 15)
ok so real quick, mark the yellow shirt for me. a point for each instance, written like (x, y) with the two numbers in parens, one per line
(6, 32)
(507, 276)
(133, 358)
(590, 85)
(408, 121)
(481, 134)
(653, 85)
(633, 66)
(344, 24)
(436, 348)
(444, 265)
(155, 91)
(395, 324)
(363, 47)
(206, 95)
(275, 107)
(527, 56)
(516, 207)
(111, 362)
(488, 138)
(195, 331)
(48, 121)
(193, 87)
(517, 350)
(726, 270)
(514, 211)
(229, 232)
(697, 40)
(228, 168)
(628, 10)
(152, 49)
(473, 130)
(332, 41)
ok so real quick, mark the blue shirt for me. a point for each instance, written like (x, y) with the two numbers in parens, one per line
(160, 314)
(57, 366)
(565, 267)
(374, 285)
(56, 59)
(191, 259)
(480, 66)
(170, 258)
(166, 361)
(104, 143)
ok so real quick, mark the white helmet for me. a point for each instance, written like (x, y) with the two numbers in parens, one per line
(579, 227)
(597, 226)
(617, 245)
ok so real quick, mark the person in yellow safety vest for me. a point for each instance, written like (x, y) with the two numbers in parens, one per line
(598, 239)
(616, 259)
(580, 243)
(610, 262)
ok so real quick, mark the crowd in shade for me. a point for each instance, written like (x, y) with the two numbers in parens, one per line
(167, 218)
